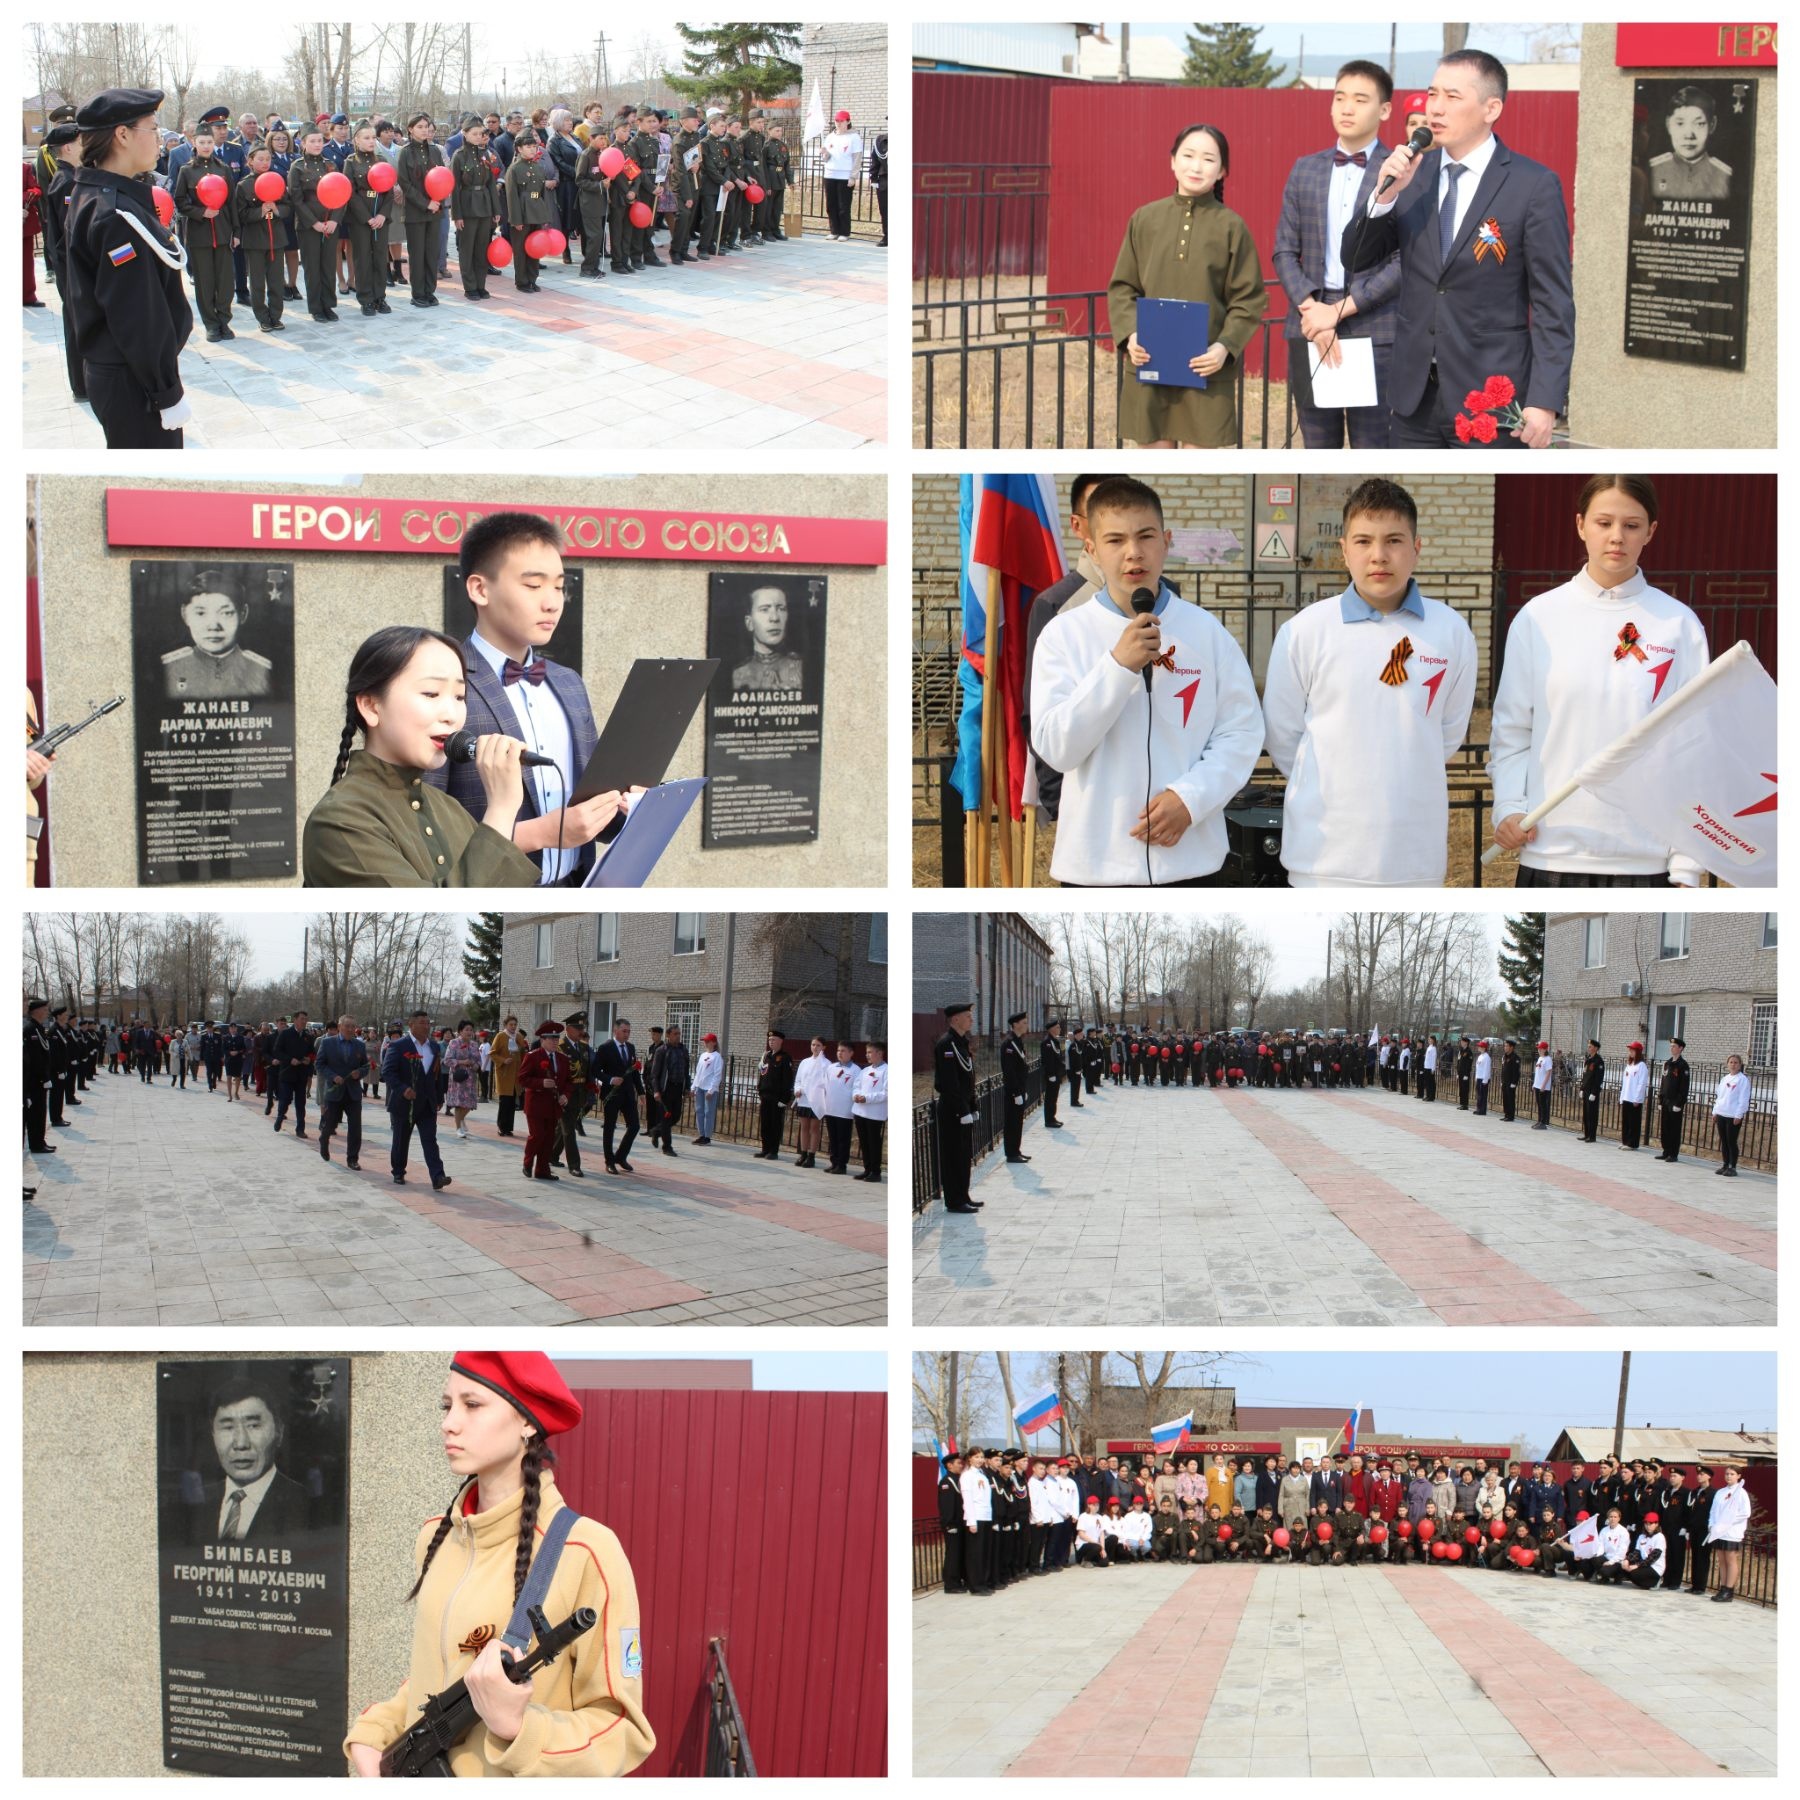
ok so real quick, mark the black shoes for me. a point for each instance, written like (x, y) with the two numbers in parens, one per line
(443, 1181)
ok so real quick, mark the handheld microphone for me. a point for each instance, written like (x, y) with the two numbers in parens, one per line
(1143, 601)
(459, 746)
(1418, 144)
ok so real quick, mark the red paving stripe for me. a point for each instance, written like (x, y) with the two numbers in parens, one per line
(1574, 1724)
(1748, 1242)
(1142, 1714)
(1459, 1278)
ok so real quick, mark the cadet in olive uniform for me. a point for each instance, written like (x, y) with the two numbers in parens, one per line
(53, 209)
(474, 204)
(777, 162)
(953, 1076)
(261, 227)
(366, 224)
(644, 150)
(1671, 1103)
(528, 205)
(715, 172)
(593, 194)
(774, 1094)
(750, 152)
(1013, 1072)
(735, 205)
(1593, 1083)
(315, 225)
(684, 183)
(416, 159)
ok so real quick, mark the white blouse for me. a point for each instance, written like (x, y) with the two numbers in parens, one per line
(1733, 1097)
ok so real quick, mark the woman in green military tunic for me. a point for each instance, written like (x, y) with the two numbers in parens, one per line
(1188, 247)
(380, 824)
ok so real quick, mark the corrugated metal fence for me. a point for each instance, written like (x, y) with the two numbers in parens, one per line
(759, 1519)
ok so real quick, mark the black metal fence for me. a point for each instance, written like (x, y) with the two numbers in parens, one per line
(977, 226)
(808, 177)
(1756, 1567)
(727, 1736)
(1757, 1143)
(928, 1555)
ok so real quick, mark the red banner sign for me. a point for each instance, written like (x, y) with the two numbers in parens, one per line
(207, 519)
(1193, 1447)
(1708, 46)
(1457, 1453)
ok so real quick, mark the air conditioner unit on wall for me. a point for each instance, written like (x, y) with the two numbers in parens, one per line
(571, 987)
(1628, 990)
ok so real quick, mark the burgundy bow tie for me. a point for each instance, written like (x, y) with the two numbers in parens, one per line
(1339, 158)
(534, 672)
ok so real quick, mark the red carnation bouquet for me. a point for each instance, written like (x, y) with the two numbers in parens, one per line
(1488, 411)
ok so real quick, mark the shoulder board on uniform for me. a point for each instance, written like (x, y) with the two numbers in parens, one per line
(262, 662)
(180, 655)
(1724, 168)
(1666, 157)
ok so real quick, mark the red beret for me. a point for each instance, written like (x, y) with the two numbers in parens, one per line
(549, 1028)
(1652, 1519)
(529, 1380)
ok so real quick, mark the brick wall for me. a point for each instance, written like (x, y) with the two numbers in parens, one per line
(851, 65)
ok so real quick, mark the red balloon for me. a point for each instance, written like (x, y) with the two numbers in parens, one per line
(1497, 1530)
(1377, 1534)
(1282, 1539)
(334, 190)
(1165, 1054)
(269, 187)
(1404, 1527)
(1529, 1557)
(1224, 1534)
(211, 190)
(1454, 1552)
(1517, 1553)
(1440, 1551)
(440, 184)
(554, 241)
(1428, 1529)
(164, 202)
(753, 194)
(382, 177)
(1115, 1068)
(610, 161)
(1324, 1533)
(536, 246)
(1472, 1535)
(641, 215)
(499, 253)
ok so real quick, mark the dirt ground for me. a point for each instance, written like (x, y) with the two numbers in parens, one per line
(1014, 322)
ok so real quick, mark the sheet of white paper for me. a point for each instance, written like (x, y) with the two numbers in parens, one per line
(1352, 382)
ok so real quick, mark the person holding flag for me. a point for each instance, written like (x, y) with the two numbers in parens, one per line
(1145, 703)
(1585, 663)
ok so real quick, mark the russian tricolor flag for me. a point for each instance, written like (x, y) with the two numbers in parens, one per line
(1009, 527)
(944, 1450)
(1038, 1414)
(1172, 1435)
(1350, 1428)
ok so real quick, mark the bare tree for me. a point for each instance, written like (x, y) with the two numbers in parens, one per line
(931, 1394)
(179, 53)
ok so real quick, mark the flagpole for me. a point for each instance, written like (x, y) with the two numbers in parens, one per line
(1648, 726)
(1029, 876)
(988, 644)
(991, 710)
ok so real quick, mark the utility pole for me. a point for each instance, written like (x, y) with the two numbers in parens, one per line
(1619, 1418)
(725, 992)
(950, 1422)
(1393, 46)
(1062, 1387)
(600, 65)
(1124, 52)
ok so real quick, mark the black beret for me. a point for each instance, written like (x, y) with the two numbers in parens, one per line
(953, 1007)
(1014, 1018)
(118, 106)
(62, 134)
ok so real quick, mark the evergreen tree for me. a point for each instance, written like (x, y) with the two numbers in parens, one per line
(750, 63)
(481, 963)
(1522, 969)
(1226, 56)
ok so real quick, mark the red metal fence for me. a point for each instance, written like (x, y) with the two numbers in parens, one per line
(760, 1519)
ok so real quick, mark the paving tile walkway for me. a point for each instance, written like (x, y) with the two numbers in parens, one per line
(169, 1206)
(1338, 1672)
(783, 348)
(1190, 1207)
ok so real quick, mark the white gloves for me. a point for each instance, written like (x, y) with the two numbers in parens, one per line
(176, 416)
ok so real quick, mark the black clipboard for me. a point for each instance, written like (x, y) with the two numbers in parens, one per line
(646, 725)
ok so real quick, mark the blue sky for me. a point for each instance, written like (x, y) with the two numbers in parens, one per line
(775, 1371)
(1526, 1395)
(1334, 40)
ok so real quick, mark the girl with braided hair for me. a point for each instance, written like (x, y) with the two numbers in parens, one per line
(584, 1714)
(380, 823)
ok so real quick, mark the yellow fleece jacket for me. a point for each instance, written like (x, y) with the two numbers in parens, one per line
(587, 1712)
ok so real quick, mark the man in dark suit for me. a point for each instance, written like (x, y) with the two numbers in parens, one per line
(621, 1081)
(412, 1071)
(1326, 191)
(252, 1502)
(1485, 291)
(292, 1067)
(512, 570)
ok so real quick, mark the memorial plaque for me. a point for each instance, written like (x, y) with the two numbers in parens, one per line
(252, 1470)
(765, 710)
(1687, 266)
(565, 642)
(212, 668)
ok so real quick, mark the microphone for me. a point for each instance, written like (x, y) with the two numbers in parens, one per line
(1418, 144)
(1143, 601)
(459, 746)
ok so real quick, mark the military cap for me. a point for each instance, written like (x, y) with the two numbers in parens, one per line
(35, 1002)
(1014, 1018)
(339, 119)
(56, 1012)
(953, 1007)
(59, 115)
(214, 113)
(118, 106)
(62, 134)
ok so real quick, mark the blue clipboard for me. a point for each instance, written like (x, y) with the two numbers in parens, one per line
(1174, 332)
(648, 830)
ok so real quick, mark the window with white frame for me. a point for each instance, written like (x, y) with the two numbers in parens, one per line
(1762, 1035)
(1675, 936)
(544, 950)
(601, 1014)
(1593, 943)
(878, 937)
(606, 937)
(1590, 1028)
(690, 934)
(1665, 1023)
(1768, 931)
(686, 1014)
